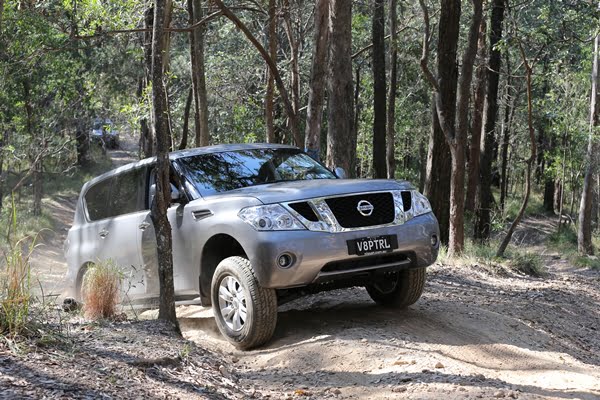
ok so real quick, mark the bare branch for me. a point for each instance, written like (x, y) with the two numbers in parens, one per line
(425, 55)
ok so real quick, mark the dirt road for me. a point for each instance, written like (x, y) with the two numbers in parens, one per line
(473, 334)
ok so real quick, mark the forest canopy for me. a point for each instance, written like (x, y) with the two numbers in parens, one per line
(489, 107)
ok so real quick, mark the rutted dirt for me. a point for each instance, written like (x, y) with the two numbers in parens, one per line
(473, 334)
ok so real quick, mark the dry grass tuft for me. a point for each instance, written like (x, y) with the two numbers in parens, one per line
(101, 291)
(15, 289)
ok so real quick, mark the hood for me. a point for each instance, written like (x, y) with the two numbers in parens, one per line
(280, 192)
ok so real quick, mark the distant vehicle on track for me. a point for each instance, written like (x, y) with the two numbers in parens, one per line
(104, 133)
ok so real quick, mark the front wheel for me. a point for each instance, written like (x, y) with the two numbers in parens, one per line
(246, 314)
(398, 289)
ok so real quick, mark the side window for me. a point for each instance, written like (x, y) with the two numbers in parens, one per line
(121, 194)
(127, 192)
(96, 200)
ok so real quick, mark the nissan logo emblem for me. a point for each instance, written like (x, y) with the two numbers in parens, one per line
(365, 208)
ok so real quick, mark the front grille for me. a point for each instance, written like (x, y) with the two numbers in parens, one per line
(365, 262)
(406, 200)
(345, 210)
(304, 209)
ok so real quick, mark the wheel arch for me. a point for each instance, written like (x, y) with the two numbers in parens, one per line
(215, 250)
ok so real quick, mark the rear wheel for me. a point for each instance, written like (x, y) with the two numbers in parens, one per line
(399, 289)
(246, 314)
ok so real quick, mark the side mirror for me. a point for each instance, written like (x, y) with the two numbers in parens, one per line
(340, 172)
(176, 196)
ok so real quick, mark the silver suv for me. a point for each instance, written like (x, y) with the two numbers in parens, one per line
(255, 226)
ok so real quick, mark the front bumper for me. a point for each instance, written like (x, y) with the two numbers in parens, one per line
(320, 256)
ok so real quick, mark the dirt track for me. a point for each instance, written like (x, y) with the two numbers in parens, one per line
(473, 334)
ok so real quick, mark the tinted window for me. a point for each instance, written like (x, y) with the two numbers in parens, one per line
(96, 200)
(122, 194)
(220, 172)
(127, 193)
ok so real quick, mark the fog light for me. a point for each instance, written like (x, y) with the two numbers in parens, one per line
(285, 260)
(434, 240)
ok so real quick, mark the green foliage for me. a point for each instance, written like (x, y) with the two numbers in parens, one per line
(15, 289)
(591, 262)
(15, 283)
(528, 264)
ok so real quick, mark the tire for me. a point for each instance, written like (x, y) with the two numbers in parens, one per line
(399, 289)
(235, 288)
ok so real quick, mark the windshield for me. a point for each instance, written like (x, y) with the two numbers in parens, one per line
(219, 172)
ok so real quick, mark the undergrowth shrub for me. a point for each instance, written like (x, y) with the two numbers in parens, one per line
(529, 264)
(15, 289)
(101, 290)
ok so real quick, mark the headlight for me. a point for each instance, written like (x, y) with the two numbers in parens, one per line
(271, 217)
(420, 204)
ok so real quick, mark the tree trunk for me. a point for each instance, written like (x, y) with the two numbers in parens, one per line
(163, 192)
(506, 128)
(38, 188)
(584, 231)
(318, 77)
(186, 120)
(341, 132)
(437, 176)
(294, 58)
(3, 141)
(147, 127)
(439, 164)
(379, 92)
(478, 103)
(422, 166)
(391, 111)
(202, 134)
(486, 199)
(270, 93)
(457, 180)
(82, 142)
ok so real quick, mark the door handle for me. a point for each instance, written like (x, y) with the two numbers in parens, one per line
(144, 225)
(103, 233)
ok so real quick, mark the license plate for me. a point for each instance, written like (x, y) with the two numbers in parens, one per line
(372, 245)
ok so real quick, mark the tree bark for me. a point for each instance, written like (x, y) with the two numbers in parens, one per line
(294, 43)
(270, 93)
(486, 198)
(391, 111)
(163, 192)
(202, 134)
(341, 132)
(506, 128)
(318, 77)
(292, 116)
(147, 127)
(444, 85)
(457, 190)
(476, 125)
(186, 120)
(379, 91)
(584, 231)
